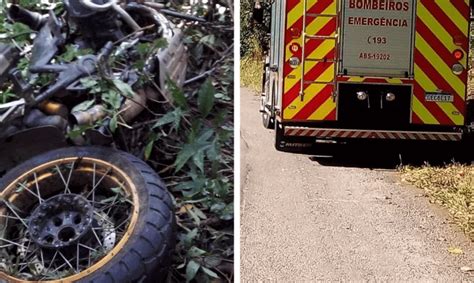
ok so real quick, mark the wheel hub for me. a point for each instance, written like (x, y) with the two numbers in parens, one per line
(61, 221)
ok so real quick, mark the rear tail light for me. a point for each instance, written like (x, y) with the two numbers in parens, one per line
(294, 62)
(390, 96)
(457, 69)
(362, 95)
(458, 54)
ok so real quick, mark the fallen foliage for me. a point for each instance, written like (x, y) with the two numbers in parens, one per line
(451, 186)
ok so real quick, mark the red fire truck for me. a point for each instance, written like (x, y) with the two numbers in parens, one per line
(367, 69)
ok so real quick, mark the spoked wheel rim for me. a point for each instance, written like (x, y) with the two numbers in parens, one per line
(65, 219)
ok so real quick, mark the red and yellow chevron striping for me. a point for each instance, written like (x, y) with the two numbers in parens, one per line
(317, 102)
(441, 28)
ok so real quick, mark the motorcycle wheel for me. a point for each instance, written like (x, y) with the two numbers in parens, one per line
(85, 214)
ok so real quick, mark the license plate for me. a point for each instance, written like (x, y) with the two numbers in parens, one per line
(439, 97)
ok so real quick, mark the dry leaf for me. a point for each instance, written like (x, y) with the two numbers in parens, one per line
(455, 251)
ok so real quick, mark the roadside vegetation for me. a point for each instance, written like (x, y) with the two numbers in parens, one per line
(251, 69)
(188, 139)
(254, 38)
(451, 186)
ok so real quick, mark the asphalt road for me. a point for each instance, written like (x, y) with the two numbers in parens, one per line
(305, 221)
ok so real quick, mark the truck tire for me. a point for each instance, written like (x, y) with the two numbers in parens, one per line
(268, 121)
(85, 214)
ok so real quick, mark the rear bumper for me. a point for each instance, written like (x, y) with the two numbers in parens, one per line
(326, 133)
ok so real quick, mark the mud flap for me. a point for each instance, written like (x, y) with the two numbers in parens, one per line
(290, 144)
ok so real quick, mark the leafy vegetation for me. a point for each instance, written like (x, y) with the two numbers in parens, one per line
(254, 41)
(254, 36)
(186, 136)
(451, 186)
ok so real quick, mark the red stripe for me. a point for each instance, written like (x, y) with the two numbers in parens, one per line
(320, 6)
(432, 107)
(317, 70)
(438, 46)
(290, 4)
(462, 7)
(314, 103)
(374, 80)
(445, 21)
(328, 134)
(313, 74)
(415, 119)
(310, 46)
(331, 116)
(438, 79)
(291, 95)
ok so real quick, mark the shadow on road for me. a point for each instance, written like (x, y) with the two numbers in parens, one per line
(390, 154)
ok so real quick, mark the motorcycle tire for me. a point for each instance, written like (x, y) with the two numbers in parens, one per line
(85, 214)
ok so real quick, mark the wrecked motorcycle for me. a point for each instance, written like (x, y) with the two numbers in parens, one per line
(84, 212)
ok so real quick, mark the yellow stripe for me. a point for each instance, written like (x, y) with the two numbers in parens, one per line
(324, 48)
(438, 30)
(313, 27)
(440, 66)
(310, 92)
(388, 80)
(428, 85)
(322, 112)
(294, 15)
(459, 20)
(425, 115)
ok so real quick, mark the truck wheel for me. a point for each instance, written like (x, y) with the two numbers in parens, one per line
(268, 121)
(85, 214)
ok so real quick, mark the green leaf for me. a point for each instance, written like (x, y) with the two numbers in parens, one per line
(149, 146)
(191, 270)
(113, 99)
(208, 40)
(190, 236)
(195, 252)
(184, 155)
(210, 272)
(89, 82)
(199, 213)
(113, 123)
(124, 88)
(170, 117)
(212, 261)
(198, 160)
(72, 52)
(194, 216)
(206, 98)
(177, 94)
(86, 105)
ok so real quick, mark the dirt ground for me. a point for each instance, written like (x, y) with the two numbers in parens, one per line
(304, 219)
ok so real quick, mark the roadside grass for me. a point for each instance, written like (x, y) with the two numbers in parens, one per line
(251, 73)
(451, 186)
